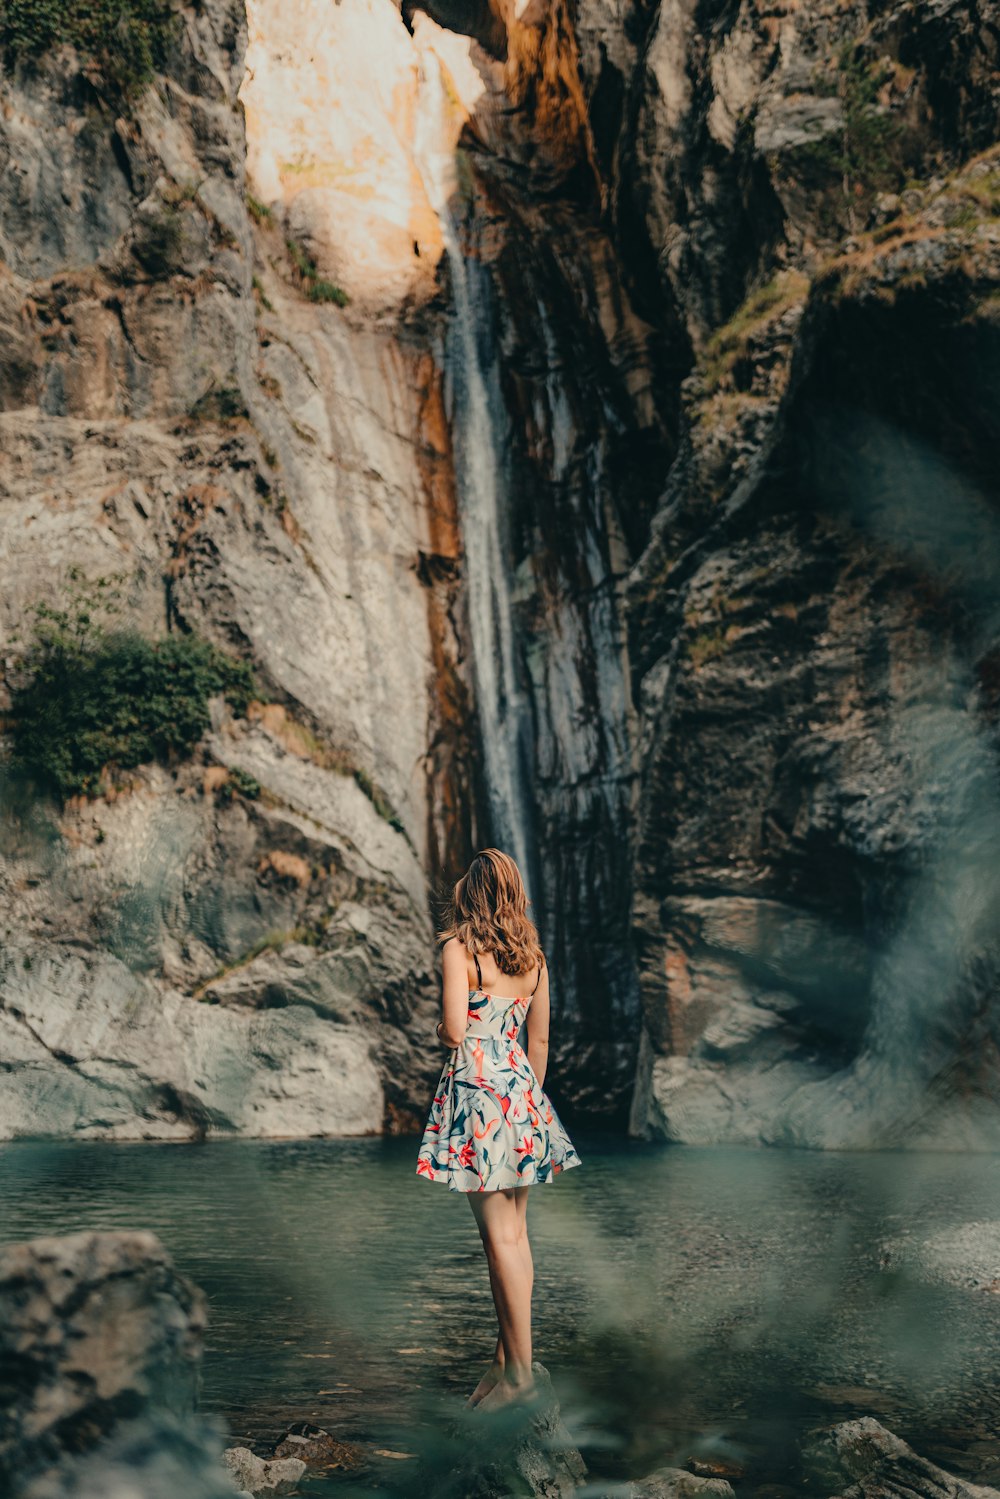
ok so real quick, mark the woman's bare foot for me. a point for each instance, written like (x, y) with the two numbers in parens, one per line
(506, 1392)
(489, 1381)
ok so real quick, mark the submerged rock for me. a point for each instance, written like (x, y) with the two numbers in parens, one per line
(262, 1476)
(862, 1460)
(319, 1450)
(968, 1256)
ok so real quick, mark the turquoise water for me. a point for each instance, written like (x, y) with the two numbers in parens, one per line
(688, 1302)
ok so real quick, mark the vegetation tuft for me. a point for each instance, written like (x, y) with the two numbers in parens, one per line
(101, 698)
(259, 212)
(379, 800)
(763, 306)
(239, 783)
(313, 285)
(707, 646)
(222, 404)
(865, 155)
(122, 42)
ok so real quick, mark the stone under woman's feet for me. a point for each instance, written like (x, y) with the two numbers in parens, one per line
(489, 1381)
(506, 1392)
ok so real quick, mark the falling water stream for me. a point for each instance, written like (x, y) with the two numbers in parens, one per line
(552, 701)
(477, 424)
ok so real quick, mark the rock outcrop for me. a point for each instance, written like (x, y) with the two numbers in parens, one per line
(674, 1483)
(514, 1450)
(862, 1460)
(100, 1343)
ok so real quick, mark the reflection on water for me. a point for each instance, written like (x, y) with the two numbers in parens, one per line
(689, 1302)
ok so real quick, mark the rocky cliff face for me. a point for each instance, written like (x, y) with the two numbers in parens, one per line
(556, 404)
(813, 622)
(180, 958)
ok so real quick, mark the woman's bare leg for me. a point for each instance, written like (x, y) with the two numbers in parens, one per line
(521, 1199)
(502, 1227)
(495, 1372)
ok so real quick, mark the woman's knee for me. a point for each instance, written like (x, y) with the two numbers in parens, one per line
(502, 1237)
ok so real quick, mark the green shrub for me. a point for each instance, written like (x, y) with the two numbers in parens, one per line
(159, 240)
(313, 285)
(125, 41)
(259, 212)
(99, 700)
(326, 291)
(240, 783)
(222, 403)
(863, 157)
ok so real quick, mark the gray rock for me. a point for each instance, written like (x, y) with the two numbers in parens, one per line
(513, 1450)
(100, 1341)
(259, 1476)
(665, 1483)
(107, 1054)
(155, 1456)
(133, 243)
(676, 1483)
(875, 1464)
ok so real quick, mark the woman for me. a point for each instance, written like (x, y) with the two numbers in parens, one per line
(492, 1131)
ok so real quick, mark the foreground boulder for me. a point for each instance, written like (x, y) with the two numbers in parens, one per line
(100, 1348)
(862, 1460)
(523, 1450)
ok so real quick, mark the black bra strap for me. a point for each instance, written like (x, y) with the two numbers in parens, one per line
(479, 971)
(541, 965)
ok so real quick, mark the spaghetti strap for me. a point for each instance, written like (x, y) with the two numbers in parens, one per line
(538, 980)
(479, 971)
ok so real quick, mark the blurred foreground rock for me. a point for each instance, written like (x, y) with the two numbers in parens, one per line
(100, 1346)
(510, 1451)
(862, 1460)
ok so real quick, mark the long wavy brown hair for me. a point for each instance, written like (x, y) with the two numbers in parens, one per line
(488, 912)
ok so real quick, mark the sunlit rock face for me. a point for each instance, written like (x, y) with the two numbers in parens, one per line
(331, 102)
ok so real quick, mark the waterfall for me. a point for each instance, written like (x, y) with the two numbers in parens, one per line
(552, 691)
(477, 425)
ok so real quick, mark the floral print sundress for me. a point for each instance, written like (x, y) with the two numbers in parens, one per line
(491, 1124)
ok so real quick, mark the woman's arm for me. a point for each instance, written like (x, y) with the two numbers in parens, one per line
(454, 1020)
(538, 1027)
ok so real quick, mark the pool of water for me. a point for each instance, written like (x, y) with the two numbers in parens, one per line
(689, 1302)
